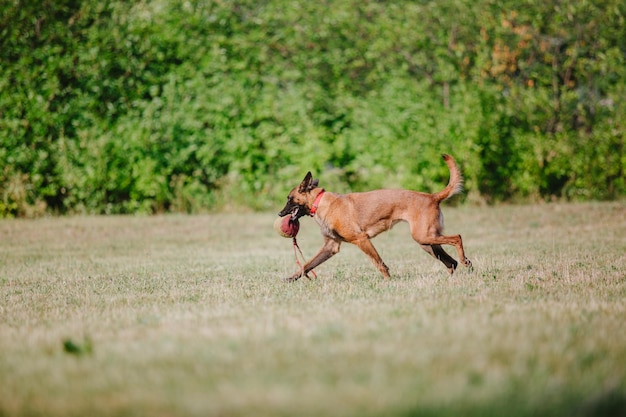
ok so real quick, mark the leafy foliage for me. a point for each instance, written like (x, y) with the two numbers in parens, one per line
(117, 107)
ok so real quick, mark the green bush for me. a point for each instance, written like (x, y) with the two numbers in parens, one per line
(117, 107)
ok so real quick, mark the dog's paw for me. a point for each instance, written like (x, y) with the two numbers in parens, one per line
(468, 263)
(293, 278)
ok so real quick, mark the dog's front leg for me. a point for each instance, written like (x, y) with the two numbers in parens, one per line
(330, 248)
(366, 246)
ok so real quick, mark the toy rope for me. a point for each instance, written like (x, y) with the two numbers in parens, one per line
(295, 253)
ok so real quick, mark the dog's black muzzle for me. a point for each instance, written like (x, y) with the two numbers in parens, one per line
(296, 211)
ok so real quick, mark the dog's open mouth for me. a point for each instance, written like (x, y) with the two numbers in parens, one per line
(295, 212)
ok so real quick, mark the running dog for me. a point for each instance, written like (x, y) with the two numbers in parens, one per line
(358, 217)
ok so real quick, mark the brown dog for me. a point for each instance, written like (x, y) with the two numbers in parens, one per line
(358, 217)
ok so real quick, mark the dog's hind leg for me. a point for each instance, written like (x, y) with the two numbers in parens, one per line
(453, 240)
(437, 252)
(429, 234)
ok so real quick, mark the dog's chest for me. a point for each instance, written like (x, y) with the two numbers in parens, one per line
(326, 229)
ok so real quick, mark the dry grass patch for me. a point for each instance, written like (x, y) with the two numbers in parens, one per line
(188, 315)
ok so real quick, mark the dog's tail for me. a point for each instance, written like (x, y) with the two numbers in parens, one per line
(455, 185)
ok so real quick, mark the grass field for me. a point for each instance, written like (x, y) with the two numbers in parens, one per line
(188, 316)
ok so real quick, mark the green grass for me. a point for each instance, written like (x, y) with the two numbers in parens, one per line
(188, 316)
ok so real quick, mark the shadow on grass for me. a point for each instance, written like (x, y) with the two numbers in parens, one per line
(607, 404)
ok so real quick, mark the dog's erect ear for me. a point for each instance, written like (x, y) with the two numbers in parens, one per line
(314, 183)
(306, 183)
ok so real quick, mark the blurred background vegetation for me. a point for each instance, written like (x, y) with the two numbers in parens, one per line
(188, 106)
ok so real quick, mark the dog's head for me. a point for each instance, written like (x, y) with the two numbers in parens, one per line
(299, 199)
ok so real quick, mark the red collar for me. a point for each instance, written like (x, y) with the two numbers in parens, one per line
(316, 203)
